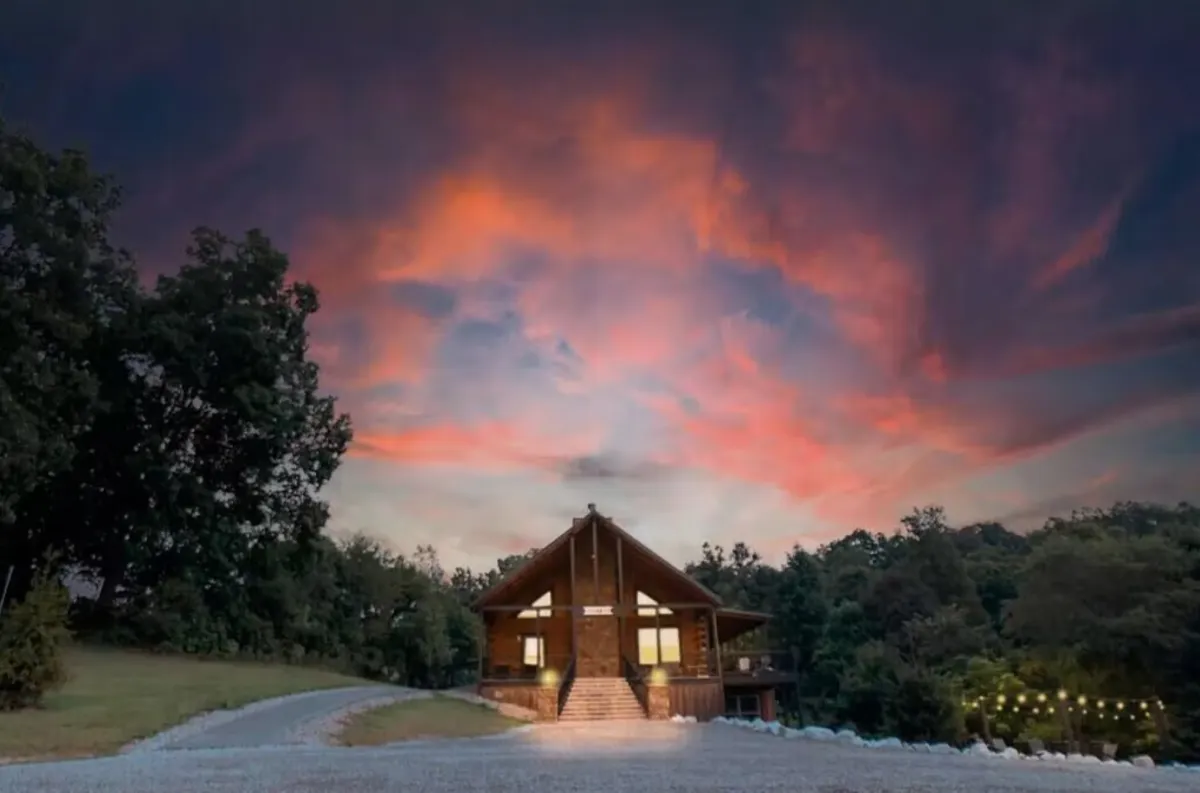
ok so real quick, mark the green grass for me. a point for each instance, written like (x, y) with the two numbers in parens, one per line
(434, 717)
(116, 696)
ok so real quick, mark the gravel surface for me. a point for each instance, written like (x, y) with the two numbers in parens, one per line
(310, 718)
(631, 756)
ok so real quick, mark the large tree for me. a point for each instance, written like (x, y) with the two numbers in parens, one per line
(62, 285)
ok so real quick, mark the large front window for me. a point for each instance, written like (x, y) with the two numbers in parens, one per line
(533, 651)
(658, 646)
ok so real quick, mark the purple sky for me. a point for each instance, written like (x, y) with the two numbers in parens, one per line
(763, 275)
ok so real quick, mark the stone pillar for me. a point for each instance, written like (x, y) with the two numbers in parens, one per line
(547, 703)
(658, 702)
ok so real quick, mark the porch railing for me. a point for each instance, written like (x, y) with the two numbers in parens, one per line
(637, 682)
(564, 685)
(756, 663)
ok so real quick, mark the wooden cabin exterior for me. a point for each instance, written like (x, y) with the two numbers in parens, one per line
(598, 604)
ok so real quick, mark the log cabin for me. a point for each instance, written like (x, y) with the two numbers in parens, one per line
(597, 626)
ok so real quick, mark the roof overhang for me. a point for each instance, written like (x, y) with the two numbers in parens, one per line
(542, 559)
(732, 623)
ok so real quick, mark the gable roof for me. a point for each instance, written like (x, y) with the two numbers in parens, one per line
(539, 560)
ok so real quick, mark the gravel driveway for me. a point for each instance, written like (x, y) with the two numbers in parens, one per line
(632, 756)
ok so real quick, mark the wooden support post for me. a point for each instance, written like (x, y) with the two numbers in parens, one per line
(574, 604)
(620, 599)
(987, 730)
(658, 633)
(537, 636)
(595, 563)
(717, 652)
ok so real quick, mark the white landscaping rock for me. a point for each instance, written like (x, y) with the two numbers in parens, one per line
(1143, 761)
(978, 749)
(819, 734)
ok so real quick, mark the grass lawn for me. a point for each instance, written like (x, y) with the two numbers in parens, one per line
(115, 696)
(434, 717)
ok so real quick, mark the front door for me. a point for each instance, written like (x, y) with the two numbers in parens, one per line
(598, 647)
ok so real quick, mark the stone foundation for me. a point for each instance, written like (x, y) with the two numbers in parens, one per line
(658, 703)
(547, 704)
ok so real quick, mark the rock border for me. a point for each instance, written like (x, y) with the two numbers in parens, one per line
(977, 749)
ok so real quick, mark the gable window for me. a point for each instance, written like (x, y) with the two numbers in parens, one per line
(648, 606)
(538, 608)
(658, 646)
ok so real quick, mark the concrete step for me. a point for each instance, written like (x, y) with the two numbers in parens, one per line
(601, 699)
(601, 715)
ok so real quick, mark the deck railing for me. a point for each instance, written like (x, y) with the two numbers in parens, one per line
(637, 682)
(564, 685)
(757, 663)
(750, 662)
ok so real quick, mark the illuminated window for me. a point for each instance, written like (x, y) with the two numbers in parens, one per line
(540, 608)
(533, 651)
(649, 641)
(644, 600)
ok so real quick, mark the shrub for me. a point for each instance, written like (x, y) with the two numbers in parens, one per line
(32, 635)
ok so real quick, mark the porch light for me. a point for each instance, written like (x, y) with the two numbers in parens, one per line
(549, 678)
(659, 676)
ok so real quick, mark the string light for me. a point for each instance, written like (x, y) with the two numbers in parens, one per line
(1018, 702)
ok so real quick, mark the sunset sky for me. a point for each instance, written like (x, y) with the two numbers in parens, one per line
(765, 273)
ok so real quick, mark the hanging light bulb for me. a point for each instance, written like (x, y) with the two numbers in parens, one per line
(1082, 701)
(1100, 704)
(1062, 694)
(1120, 706)
(1000, 699)
(1144, 705)
(1041, 697)
(1035, 710)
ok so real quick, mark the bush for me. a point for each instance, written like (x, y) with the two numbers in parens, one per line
(32, 635)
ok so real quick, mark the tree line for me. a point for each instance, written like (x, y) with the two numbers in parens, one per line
(905, 633)
(169, 443)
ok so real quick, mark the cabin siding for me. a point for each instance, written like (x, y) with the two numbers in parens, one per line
(703, 699)
(504, 639)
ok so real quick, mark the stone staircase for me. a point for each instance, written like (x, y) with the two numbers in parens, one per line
(601, 699)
